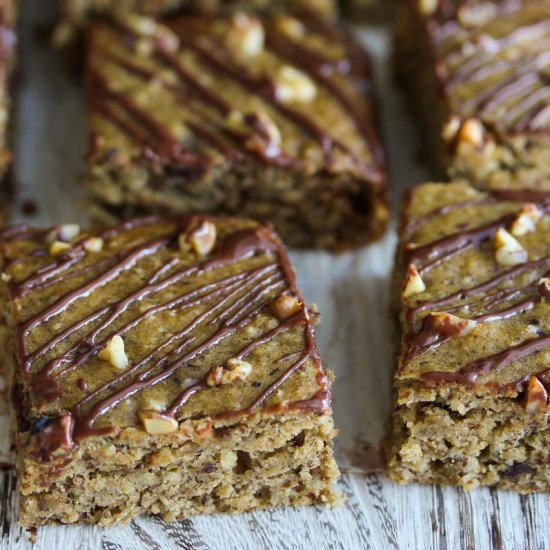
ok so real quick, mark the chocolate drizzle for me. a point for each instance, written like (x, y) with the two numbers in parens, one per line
(209, 108)
(497, 299)
(471, 372)
(502, 59)
(237, 300)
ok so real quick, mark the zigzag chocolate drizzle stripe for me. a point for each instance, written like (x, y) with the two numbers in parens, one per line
(321, 69)
(462, 294)
(470, 373)
(265, 89)
(518, 117)
(203, 125)
(483, 308)
(188, 299)
(429, 338)
(60, 305)
(506, 69)
(158, 140)
(208, 131)
(451, 244)
(142, 381)
(471, 70)
(455, 242)
(496, 96)
(412, 225)
(237, 301)
(85, 424)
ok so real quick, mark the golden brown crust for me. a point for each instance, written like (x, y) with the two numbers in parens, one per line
(160, 332)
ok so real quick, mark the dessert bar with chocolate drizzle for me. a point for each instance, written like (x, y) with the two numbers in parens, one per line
(477, 76)
(471, 387)
(271, 118)
(164, 366)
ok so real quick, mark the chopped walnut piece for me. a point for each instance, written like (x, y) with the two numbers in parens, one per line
(294, 85)
(525, 221)
(236, 121)
(202, 238)
(413, 282)
(471, 132)
(448, 324)
(58, 247)
(147, 27)
(204, 429)
(114, 353)
(290, 26)
(93, 244)
(64, 233)
(236, 370)
(451, 128)
(427, 7)
(266, 126)
(284, 307)
(315, 314)
(228, 459)
(536, 397)
(264, 134)
(68, 232)
(508, 251)
(247, 35)
(214, 377)
(154, 405)
(544, 287)
(156, 423)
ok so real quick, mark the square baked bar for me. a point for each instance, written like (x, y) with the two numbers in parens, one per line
(7, 61)
(268, 118)
(473, 377)
(76, 10)
(477, 76)
(165, 366)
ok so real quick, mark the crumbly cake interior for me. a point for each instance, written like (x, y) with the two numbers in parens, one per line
(265, 462)
(293, 126)
(472, 377)
(476, 76)
(163, 366)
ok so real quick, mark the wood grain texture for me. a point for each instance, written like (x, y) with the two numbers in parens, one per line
(352, 291)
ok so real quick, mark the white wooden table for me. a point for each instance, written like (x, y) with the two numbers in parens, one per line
(355, 340)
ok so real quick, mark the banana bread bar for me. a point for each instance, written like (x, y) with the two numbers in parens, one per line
(164, 366)
(267, 118)
(7, 61)
(473, 379)
(477, 76)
